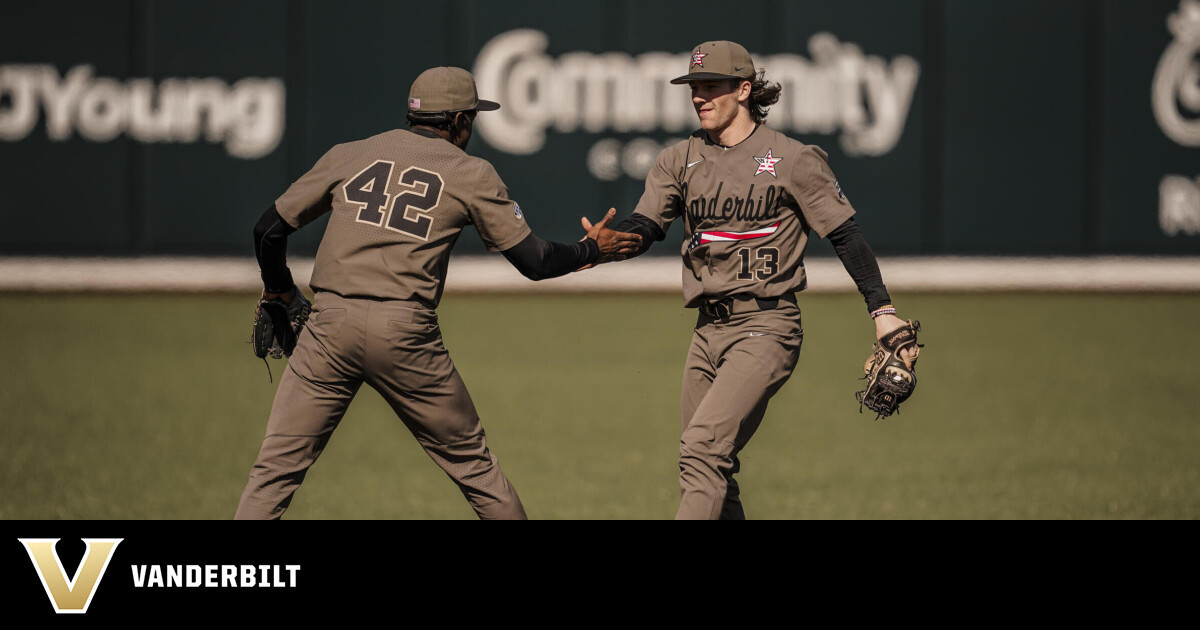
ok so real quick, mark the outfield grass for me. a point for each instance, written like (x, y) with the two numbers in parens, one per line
(1029, 407)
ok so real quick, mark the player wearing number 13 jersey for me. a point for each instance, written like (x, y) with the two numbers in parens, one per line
(398, 202)
(748, 198)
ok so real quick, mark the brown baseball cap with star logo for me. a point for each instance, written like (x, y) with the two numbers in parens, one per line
(718, 60)
(446, 89)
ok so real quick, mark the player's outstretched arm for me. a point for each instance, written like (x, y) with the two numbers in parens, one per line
(614, 245)
(635, 224)
(537, 259)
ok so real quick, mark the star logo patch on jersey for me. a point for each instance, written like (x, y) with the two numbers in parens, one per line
(698, 59)
(766, 164)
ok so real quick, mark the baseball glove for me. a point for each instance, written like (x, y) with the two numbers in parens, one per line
(889, 381)
(277, 325)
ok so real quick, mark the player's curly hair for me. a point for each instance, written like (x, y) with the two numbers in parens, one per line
(763, 94)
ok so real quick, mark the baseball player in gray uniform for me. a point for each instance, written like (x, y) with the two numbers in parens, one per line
(398, 202)
(749, 197)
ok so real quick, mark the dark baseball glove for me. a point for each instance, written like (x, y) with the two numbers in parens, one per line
(889, 381)
(277, 325)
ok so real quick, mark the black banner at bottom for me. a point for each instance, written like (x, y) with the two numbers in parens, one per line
(278, 571)
(471, 572)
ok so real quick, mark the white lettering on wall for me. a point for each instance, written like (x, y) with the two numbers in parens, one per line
(1175, 96)
(1179, 205)
(247, 117)
(840, 90)
(1177, 78)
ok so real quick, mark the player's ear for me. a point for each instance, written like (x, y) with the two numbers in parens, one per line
(462, 120)
(460, 128)
(744, 90)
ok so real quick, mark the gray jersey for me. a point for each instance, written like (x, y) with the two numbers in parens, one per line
(747, 211)
(399, 201)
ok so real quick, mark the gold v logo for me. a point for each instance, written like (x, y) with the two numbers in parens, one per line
(72, 595)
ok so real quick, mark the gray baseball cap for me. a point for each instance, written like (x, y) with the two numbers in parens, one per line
(446, 89)
(718, 60)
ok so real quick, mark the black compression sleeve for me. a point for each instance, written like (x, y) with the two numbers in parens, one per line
(538, 260)
(641, 225)
(270, 248)
(860, 263)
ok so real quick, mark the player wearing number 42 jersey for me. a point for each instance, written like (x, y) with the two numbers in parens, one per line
(748, 198)
(398, 202)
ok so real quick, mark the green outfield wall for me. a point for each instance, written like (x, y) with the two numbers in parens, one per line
(1061, 127)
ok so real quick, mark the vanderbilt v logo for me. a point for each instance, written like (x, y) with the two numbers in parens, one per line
(74, 595)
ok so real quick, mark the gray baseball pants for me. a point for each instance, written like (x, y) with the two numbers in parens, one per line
(737, 361)
(395, 348)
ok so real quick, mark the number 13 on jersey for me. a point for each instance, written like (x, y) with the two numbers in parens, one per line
(749, 255)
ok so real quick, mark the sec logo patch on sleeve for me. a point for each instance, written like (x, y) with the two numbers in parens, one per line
(517, 211)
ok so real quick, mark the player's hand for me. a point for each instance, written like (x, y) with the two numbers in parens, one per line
(286, 296)
(613, 245)
(885, 324)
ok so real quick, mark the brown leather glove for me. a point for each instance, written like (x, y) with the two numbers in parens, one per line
(889, 381)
